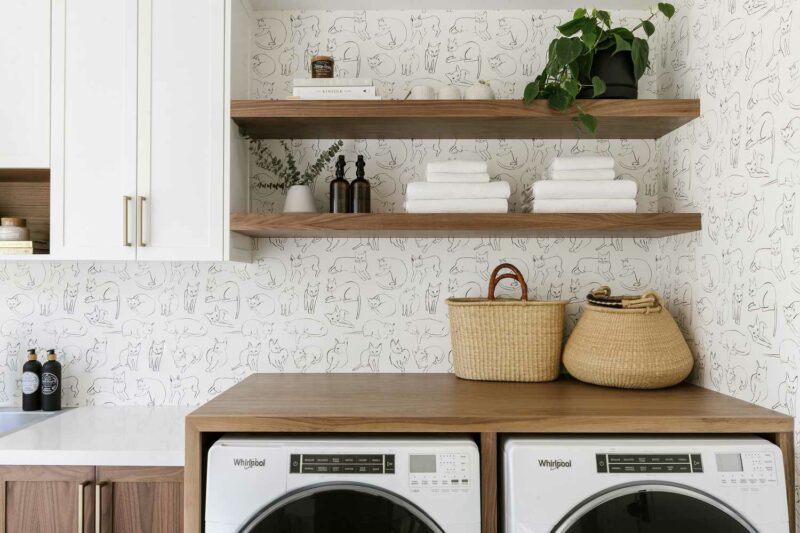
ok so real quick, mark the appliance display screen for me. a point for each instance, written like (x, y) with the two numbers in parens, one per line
(729, 462)
(423, 464)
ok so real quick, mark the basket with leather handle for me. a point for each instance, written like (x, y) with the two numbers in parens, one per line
(629, 342)
(496, 339)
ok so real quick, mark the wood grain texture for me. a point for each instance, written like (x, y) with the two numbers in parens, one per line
(462, 119)
(39, 499)
(25, 175)
(28, 199)
(490, 466)
(785, 442)
(141, 499)
(469, 225)
(193, 508)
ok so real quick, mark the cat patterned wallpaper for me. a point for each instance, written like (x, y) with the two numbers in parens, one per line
(740, 166)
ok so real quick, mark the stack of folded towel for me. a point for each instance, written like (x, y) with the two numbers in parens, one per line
(583, 184)
(458, 187)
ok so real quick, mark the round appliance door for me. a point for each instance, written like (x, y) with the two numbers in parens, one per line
(653, 508)
(341, 508)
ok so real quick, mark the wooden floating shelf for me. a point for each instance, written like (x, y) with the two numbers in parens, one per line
(464, 225)
(460, 119)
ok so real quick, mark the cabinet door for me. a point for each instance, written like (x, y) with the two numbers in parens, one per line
(94, 128)
(45, 499)
(181, 129)
(140, 499)
(25, 86)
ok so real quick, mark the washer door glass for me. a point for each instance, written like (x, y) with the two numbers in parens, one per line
(341, 508)
(653, 509)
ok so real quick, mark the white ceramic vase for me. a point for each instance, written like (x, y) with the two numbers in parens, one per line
(299, 199)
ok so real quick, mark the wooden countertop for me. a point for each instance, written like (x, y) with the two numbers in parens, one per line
(442, 402)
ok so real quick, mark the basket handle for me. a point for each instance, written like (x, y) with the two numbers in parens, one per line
(517, 275)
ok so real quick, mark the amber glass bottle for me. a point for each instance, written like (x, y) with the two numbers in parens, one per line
(340, 190)
(360, 189)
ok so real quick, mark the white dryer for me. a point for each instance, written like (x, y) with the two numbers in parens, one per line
(636, 485)
(343, 485)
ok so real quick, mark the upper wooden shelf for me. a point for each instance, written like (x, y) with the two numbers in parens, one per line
(461, 119)
(465, 225)
(24, 175)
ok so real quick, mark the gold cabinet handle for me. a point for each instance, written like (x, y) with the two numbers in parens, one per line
(126, 200)
(98, 507)
(81, 487)
(140, 220)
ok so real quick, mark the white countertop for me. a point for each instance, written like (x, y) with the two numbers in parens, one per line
(102, 436)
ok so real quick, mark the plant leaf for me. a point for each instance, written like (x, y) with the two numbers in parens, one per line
(649, 27)
(587, 121)
(599, 86)
(589, 39)
(625, 33)
(568, 50)
(579, 13)
(531, 91)
(559, 99)
(667, 9)
(572, 87)
(640, 52)
(621, 45)
(604, 17)
(572, 27)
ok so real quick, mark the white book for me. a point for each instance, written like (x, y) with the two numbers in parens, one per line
(332, 82)
(341, 93)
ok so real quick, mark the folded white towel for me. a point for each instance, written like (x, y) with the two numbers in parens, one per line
(459, 166)
(456, 177)
(457, 206)
(583, 175)
(584, 206)
(453, 191)
(582, 162)
(590, 190)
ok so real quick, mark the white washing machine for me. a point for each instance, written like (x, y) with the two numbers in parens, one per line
(347, 485)
(630, 485)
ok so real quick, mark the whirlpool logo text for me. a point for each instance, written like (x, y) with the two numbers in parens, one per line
(250, 463)
(554, 464)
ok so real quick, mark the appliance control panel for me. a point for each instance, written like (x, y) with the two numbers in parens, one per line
(341, 464)
(747, 468)
(443, 472)
(649, 463)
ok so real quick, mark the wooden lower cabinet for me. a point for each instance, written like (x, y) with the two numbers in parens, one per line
(85, 499)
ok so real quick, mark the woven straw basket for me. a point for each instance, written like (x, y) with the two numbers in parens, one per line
(627, 342)
(506, 340)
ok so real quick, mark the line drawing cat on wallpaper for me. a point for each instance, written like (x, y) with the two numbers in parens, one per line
(463, 55)
(761, 131)
(117, 269)
(398, 355)
(758, 332)
(307, 357)
(600, 265)
(185, 327)
(129, 357)
(391, 33)
(432, 297)
(409, 61)
(709, 272)
(478, 264)
(382, 305)
(781, 39)
(10, 355)
(543, 25)
(338, 318)
(21, 305)
(784, 216)
(759, 386)
(469, 289)
(115, 386)
(348, 292)
(185, 357)
(217, 355)
(355, 24)
(428, 357)
(190, 296)
(303, 266)
(47, 302)
(736, 379)
(477, 24)
(512, 33)
(277, 355)
(155, 354)
(97, 355)
(248, 357)
(382, 65)
(636, 274)
(787, 394)
(142, 305)
(304, 328)
(755, 218)
(426, 328)
(766, 89)
(218, 317)
(61, 328)
(264, 306)
(310, 297)
(301, 25)
(736, 302)
(735, 343)
(270, 273)
(355, 264)
(732, 258)
(167, 301)
(223, 293)
(717, 372)
(347, 58)
(152, 391)
(770, 259)
(791, 136)
(370, 358)
(754, 53)
(106, 293)
(337, 357)
(179, 386)
(421, 25)
(423, 266)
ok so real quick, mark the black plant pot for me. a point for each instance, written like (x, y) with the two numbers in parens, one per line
(617, 71)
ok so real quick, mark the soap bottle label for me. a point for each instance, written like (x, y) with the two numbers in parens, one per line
(49, 383)
(30, 382)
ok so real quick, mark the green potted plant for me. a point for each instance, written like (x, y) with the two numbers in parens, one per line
(295, 184)
(591, 59)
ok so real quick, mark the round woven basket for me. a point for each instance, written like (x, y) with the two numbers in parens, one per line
(635, 346)
(506, 340)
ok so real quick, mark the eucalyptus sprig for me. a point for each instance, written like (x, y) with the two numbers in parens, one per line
(286, 169)
(570, 58)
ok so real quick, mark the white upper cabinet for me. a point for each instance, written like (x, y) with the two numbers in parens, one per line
(25, 85)
(93, 175)
(181, 129)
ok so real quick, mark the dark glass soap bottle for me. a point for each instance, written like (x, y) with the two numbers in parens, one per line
(51, 383)
(360, 189)
(32, 383)
(340, 190)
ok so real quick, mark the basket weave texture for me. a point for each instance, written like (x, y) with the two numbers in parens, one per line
(638, 346)
(506, 340)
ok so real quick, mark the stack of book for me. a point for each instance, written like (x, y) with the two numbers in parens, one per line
(334, 89)
(23, 247)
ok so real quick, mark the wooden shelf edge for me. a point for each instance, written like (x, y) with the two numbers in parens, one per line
(467, 225)
(24, 175)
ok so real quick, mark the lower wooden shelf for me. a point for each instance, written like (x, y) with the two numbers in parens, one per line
(465, 225)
